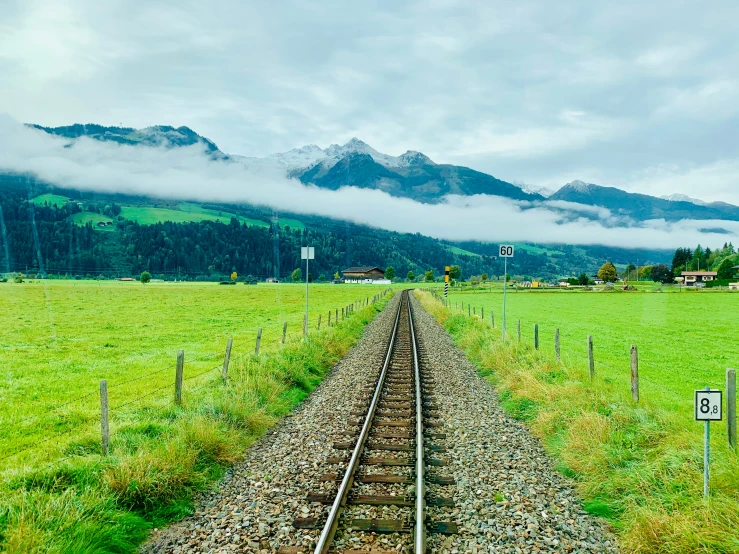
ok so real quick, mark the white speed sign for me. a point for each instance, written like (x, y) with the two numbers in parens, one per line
(506, 251)
(708, 405)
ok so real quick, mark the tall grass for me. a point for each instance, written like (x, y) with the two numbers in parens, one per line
(162, 455)
(637, 465)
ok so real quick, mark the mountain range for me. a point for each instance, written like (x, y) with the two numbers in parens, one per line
(414, 175)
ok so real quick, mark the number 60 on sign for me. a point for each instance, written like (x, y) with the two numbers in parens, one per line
(708, 405)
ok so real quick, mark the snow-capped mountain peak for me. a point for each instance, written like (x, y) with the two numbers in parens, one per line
(683, 198)
(579, 185)
(412, 157)
(546, 192)
(308, 156)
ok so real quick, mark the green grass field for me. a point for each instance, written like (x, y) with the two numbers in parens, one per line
(187, 212)
(50, 199)
(60, 338)
(82, 218)
(637, 464)
(686, 340)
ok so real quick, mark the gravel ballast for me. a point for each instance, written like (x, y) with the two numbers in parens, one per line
(508, 497)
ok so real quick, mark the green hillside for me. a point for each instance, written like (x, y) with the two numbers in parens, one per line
(50, 199)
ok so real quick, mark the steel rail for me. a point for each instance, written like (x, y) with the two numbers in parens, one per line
(419, 531)
(329, 530)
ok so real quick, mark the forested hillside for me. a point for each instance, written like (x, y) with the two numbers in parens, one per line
(56, 231)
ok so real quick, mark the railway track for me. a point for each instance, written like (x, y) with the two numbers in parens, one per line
(387, 459)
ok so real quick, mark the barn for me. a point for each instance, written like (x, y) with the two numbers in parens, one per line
(368, 275)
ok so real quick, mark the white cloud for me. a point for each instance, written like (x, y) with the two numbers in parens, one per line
(521, 89)
(188, 173)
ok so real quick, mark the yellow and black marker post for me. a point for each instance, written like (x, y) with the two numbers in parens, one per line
(446, 281)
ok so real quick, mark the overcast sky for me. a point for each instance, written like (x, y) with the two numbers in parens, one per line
(639, 95)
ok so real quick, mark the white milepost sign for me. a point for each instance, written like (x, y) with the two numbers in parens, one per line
(505, 252)
(307, 253)
(707, 408)
(708, 405)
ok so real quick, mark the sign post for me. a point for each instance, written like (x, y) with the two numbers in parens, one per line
(447, 269)
(708, 405)
(505, 252)
(307, 253)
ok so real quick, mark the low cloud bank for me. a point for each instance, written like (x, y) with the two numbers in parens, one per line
(188, 173)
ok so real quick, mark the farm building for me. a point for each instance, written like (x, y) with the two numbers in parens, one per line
(692, 277)
(563, 282)
(272, 280)
(127, 279)
(368, 275)
(733, 286)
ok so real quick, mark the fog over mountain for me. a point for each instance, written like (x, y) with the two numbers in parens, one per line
(457, 203)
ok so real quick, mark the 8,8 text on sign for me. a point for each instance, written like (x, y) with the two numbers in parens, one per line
(708, 405)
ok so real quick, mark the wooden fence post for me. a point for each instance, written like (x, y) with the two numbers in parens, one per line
(536, 336)
(591, 357)
(469, 310)
(731, 407)
(178, 377)
(519, 330)
(104, 426)
(342, 314)
(259, 341)
(337, 316)
(634, 373)
(492, 319)
(329, 318)
(474, 310)
(227, 359)
(556, 344)
(284, 332)
(482, 313)
(319, 322)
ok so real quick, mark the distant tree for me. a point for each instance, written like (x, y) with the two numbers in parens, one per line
(584, 280)
(310, 277)
(429, 276)
(484, 277)
(629, 272)
(145, 277)
(608, 272)
(455, 272)
(337, 276)
(321, 277)
(390, 272)
(681, 257)
(645, 272)
(573, 281)
(725, 270)
(297, 275)
(411, 276)
(662, 274)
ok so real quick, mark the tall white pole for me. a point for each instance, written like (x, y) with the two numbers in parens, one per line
(307, 262)
(505, 290)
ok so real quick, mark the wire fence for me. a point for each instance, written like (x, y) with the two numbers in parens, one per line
(96, 412)
(577, 356)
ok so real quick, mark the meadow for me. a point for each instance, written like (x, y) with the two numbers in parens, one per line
(639, 465)
(686, 340)
(58, 339)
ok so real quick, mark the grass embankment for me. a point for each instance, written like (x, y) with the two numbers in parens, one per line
(638, 465)
(162, 454)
